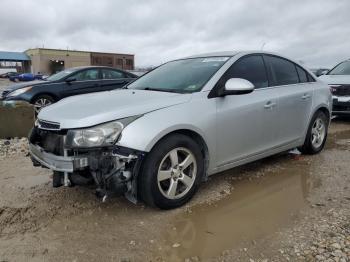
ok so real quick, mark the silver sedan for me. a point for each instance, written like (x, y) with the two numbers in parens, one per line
(157, 139)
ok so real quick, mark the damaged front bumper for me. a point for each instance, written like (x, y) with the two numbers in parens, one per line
(57, 163)
(113, 170)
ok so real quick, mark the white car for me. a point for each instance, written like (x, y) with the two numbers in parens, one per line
(339, 81)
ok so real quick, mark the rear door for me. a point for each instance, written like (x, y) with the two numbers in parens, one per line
(295, 97)
(84, 81)
(113, 79)
(246, 123)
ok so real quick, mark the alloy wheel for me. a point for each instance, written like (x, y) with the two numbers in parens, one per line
(177, 173)
(40, 103)
(318, 133)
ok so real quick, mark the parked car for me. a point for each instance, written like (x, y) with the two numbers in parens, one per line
(73, 81)
(320, 71)
(339, 81)
(8, 74)
(25, 77)
(158, 138)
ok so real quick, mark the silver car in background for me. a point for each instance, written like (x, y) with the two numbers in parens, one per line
(157, 139)
(338, 80)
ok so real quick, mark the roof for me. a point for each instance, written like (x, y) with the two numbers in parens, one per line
(225, 53)
(80, 51)
(13, 56)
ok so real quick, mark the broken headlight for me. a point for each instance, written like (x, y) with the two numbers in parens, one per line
(96, 136)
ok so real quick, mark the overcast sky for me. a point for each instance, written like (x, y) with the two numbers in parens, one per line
(314, 31)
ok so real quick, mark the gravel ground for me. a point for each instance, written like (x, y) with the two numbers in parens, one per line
(39, 223)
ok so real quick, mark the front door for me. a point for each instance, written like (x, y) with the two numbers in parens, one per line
(246, 123)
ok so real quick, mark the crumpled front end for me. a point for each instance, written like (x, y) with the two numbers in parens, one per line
(112, 170)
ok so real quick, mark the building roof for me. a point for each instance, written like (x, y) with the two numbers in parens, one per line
(71, 50)
(13, 56)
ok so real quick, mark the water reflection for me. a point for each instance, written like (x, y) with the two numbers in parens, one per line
(253, 210)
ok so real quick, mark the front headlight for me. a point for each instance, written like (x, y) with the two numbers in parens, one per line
(19, 91)
(96, 136)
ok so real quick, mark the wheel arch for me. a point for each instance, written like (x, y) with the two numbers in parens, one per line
(323, 108)
(44, 94)
(325, 111)
(197, 138)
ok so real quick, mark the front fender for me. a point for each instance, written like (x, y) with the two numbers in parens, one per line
(198, 116)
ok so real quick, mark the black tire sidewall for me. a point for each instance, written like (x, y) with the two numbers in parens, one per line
(148, 185)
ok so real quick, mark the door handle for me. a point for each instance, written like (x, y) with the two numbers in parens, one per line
(269, 105)
(306, 96)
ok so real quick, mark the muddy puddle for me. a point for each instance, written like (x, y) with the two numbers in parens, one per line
(254, 209)
(339, 140)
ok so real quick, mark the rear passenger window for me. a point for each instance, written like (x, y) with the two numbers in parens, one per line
(302, 75)
(111, 74)
(283, 72)
(251, 68)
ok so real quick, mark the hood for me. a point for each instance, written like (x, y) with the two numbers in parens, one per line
(336, 79)
(25, 84)
(95, 108)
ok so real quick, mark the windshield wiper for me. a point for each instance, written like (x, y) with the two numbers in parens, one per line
(161, 90)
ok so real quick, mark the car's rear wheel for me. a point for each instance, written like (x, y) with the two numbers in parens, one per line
(42, 101)
(171, 172)
(316, 135)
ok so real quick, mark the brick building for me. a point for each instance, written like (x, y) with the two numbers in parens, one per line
(49, 61)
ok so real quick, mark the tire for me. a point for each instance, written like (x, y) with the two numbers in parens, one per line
(310, 146)
(154, 186)
(42, 101)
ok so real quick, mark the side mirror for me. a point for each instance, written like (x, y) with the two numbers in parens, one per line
(324, 72)
(71, 79)
(237, 86)
(321, 72)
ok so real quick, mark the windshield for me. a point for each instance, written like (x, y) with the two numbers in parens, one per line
(341, 69)
(180, 76)
(59, 75)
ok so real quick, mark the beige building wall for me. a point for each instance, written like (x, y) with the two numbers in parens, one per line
(41, 59)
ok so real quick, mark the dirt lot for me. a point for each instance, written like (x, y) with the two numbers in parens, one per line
(284, 208)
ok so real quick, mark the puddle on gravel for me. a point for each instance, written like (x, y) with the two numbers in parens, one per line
(254, 209)
(339, 140)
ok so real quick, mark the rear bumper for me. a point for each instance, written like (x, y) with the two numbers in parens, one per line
(57, 163)
(341, 105)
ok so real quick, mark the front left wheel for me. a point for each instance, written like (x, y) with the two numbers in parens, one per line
(172, 172)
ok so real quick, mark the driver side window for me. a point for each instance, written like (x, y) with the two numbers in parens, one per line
(251, 68)
(89, 74)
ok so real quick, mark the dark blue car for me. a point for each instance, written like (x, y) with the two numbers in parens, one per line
(73, 81)
(25, 77)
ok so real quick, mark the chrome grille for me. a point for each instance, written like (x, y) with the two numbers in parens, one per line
(48, 125)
